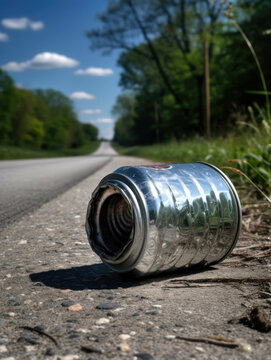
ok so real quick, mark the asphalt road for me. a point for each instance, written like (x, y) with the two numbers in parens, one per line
(26, 184)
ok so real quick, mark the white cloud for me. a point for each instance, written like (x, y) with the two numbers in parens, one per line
(13, 66)
(103, 121)
(92, 71)
(19, 86)
(37, 25)
(3, 37)
(90, 111)
(81, 95)
(22, 24)
(41, 61)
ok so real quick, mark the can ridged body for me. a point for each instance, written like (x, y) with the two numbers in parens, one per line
(149, 219)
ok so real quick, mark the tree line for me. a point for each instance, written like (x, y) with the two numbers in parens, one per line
(40, 119)
(171, 51)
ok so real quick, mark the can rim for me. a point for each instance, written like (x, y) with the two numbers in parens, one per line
(239, 208)
(124, 185)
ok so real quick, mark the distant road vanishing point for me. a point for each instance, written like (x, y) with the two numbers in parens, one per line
(26, 184)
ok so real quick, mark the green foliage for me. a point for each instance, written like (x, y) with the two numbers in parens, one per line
(40, 119)
(7, 103)
(124, 127)
(90, 132)
(215, 151)
(8, 152)
(255, 160)
(248, 156)
(162, 64)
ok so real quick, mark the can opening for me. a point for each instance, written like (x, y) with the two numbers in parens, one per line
(116, 224)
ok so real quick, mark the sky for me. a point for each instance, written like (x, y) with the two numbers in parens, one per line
(43, 45)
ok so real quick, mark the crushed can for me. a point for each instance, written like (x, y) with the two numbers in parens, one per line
(156, 218)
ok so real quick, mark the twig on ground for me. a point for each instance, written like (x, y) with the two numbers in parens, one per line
(173, 283)
(220, 341)
(40, 332)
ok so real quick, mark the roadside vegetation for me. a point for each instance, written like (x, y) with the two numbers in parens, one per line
(8, 152)
(195, 86)
(40, 123)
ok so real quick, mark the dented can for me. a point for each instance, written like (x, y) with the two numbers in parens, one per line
(149, 219)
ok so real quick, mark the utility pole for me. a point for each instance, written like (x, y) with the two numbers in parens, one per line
(207, 91)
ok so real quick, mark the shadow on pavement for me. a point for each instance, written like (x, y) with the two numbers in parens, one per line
(97, 277)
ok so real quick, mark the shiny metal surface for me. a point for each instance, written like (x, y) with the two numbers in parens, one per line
(162, 217)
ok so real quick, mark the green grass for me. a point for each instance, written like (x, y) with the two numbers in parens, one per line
(215, 151)
(251, 155)
(13, 152)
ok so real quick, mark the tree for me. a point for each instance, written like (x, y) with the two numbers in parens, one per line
(58, 118)
(26, 128)
(7, 105)
(182, 24)
(90, 132)
(124, 133)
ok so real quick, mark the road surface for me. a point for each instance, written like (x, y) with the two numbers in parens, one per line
(59, 302)
(27, 184)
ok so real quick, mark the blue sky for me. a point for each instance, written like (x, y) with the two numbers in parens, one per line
(43, 45)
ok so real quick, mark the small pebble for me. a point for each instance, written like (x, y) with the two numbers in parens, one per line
(124, 347)
(124, 337)
(92, 349)
(170, 337)
(14, 302)
(11, 314)
(68, 303)
(3, 349)
(75, 307)
(27, 302)
(68, 357)
(152, 312)
(158, 306)
(102, 321)
(163, 326)
(29, 348)
(133, 333)
(50, 351)
(111, 313)
(28, 339)
(144, 356)
(200, 349)
(141, 323)
(108, 306)
(84, 331)
(179, 325)
(40, 328)
(22, 242)
(265, 295)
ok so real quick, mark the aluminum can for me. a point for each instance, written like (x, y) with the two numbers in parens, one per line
(149, 219)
